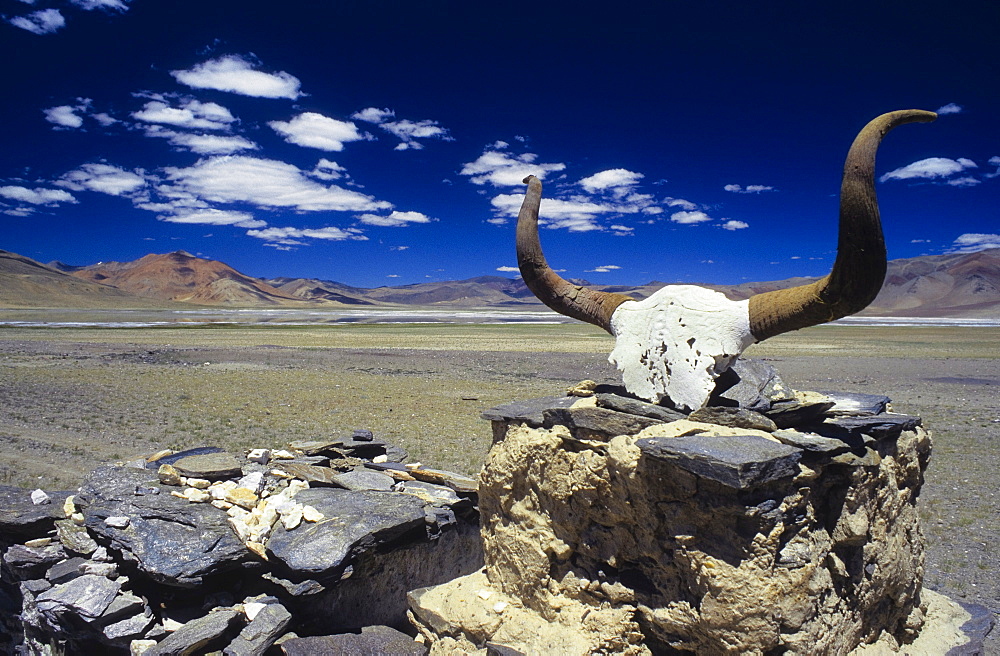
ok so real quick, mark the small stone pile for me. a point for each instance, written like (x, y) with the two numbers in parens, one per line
(312, 548)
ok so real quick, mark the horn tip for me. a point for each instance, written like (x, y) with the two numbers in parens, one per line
(528, 179)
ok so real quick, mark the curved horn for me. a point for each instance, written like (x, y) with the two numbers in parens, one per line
(859, 270)
(588, 305)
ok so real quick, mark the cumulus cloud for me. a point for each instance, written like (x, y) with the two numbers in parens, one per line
(265, 183)
(203, 144)
(45, 21)
(604, 268)
(679, 202)
(617, 180)
(37, 196)
(735, 225)
(212, 216)
(930, 168)
(292, 236)
(104, 178)
(236, 74)
(689, 217)
(373, 115)
(749, 189)
(505, 170)
(574, 215)
(314, 130)
(64, 116)
(395, 219)
(327, 170)
(191, 114)
(972, 242)
(950, 108)
(508, 269)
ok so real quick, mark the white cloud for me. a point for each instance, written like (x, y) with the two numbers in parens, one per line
(327, 170)
(264, 183)
(749, 189)
(967, 181)
(215, 217)
(45, 21)
(689, 217)
(289, 236)
(203, 144)
(409, 131)
(604, 268)
(735, 225)
(932, 167)
(508, 269)
(679, 202)
(619, 180)
(64, 116)
(37, 196)
(90, 5)
(972, 242)
(235, 74)
(395, 220)
(499, 145)
(104, 119)
(950, 108)
(103, 178)
(314, 130)
(373, 115)
(399, 248)
(574, 215)
(621, 230)
(920, 241)
(995, 161)
(503, 170)
(191, 114)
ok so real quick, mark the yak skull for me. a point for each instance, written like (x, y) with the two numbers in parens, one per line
(674, 344)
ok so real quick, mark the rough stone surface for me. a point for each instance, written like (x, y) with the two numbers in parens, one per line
(617, 552)
(209, 465)
(360, 479)
(800, 410)
(257, 637)
(885, 425)
(597, 423)
(739, 461)
(371, 640)
(19, 517)
(530, 411)
(734, 417)
(751, 384)
(88, 595)
(357, 522)
(196, 634)
(172, 540)
(637, 407)
(675, 343)
(852, 403)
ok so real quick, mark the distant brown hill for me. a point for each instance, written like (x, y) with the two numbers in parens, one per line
(180, 276)
(958, 285)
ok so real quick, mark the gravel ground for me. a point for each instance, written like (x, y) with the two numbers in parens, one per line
(71, 399)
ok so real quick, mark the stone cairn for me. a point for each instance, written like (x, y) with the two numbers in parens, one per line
(309, 550)
(768, 522)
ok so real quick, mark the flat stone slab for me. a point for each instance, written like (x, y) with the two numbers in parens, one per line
(212, 466)
(851, 403)
(196, 634)
(885, 425)
(174, 541)
(751, 384)
(88, 595)
(258, 636)
(311, 473)
(361, 479)
(637, 407)
(20, 518)
(357, 522)
(529, 411)
(814, 443)
(740, 461)
(171, 458)
(371, 640)
(597, 422)
(734, 418)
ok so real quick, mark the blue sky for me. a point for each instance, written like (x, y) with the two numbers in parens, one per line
(379, 143)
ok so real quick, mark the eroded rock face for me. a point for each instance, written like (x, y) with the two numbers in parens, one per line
(821, 556)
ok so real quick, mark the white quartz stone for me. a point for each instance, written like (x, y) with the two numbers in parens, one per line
(675, 343)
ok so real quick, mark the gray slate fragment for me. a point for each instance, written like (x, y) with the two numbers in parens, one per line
(124, 605)
(637, 407)
(436, 493)
(75, 537)
(356, 522)
(976, 628)
(812, 442)
(196, 634)
(257, 636)
(362, 479)
(795, 413)
(213, 466)
(751, 384)
(20, 519)
(88, 596)
(174, 457)
(885, 425)
(29, 562)
(371, 640)
(739, 461)
(530, 411)
(852, 403)
(175, 542)
(65, 570)
(129, 628)
(734, 417)
(314, 475)
(295, 588)
(597, 423)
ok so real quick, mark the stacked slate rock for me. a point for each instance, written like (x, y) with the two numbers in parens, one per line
(312, 548)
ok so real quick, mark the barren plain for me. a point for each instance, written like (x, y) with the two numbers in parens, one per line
(73, 397)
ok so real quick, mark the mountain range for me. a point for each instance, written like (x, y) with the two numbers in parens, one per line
(961, 285)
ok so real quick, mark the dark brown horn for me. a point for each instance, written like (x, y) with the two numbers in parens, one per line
(588, 305)
(859, 270)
